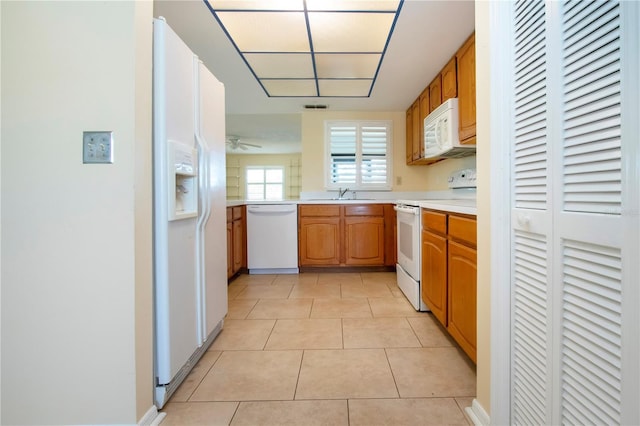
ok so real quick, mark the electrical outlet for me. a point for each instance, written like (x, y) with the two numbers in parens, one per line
(97, 147)
(398, 180)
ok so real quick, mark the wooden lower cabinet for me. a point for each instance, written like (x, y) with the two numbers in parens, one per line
(334, 235)
(319, 241)
(434, 274)
(236, 240)
(449, 274)
(462, 296)
(238, 245)
(364, 241)
(229, 249)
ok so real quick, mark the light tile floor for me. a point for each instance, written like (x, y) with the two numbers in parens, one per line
(325, 349)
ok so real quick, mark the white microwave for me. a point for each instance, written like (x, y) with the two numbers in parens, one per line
(441, 133)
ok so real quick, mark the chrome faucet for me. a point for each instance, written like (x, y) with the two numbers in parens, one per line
(341, 193)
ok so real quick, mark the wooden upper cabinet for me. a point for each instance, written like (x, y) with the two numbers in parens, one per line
(414, 146)
(417, 131)
(449, 80)
(435, 93)
(425, 106)
(409, 136)
(466, 58)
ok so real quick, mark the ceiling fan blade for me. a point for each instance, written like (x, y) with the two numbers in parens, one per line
(250, 144)
(242, 147)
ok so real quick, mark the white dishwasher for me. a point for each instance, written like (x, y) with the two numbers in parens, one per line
(272, 238)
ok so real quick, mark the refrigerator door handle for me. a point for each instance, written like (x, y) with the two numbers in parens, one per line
(204, 212)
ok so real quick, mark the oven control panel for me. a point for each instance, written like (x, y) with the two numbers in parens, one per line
(463, 179)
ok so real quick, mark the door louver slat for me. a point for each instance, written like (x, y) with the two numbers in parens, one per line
(591, 332)
(530, 157)
(530, 329)
(591, 64)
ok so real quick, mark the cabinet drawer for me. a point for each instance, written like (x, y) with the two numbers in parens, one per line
(462, 229)
(434, 221)
(229, 214)
(319, 210)
(364, 210)
(237, 213)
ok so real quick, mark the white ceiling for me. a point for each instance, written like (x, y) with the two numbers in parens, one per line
(426, 35)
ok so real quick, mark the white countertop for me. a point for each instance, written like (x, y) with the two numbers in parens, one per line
(462, 206)
(454, 206)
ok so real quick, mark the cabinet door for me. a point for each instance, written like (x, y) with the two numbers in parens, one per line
(319, 241)
(466, 57)
(229, 249)
(435, 93)
(417, 131)
(424, 111)
(434, 274)
(238, 246)
(462, 297)
(449, 80)
(409, 136)
(364, 241)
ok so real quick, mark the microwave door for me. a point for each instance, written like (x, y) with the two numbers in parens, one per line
(444, 132)
(430, 141)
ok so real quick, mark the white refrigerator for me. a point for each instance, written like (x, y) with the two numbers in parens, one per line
(190, 281)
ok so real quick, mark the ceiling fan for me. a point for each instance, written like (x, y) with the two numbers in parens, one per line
(234, 143)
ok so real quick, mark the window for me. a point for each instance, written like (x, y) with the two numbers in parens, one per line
(358, 155)
(265, 183)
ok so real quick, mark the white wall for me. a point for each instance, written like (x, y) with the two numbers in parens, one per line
(483, 97)
(73, 240)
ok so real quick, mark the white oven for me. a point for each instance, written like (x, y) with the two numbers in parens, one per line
(408, 268)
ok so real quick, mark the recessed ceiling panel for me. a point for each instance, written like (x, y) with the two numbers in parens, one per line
(289, 88)
(350, 32)
(347, 65)
(347, 88)
(258, 4)
(281, 65)
(267, 31)
(290, 45)
(375, 5)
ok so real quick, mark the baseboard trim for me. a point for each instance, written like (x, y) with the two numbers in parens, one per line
(152, 417)
(477, 414)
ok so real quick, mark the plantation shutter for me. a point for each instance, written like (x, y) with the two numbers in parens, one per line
(568, 239)
(359, 155)
(343, 146)
(373, 168)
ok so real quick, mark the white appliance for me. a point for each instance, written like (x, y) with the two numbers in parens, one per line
(272, 238)
(189, 204)
(462, 183)
(441, 133)
(408, 268)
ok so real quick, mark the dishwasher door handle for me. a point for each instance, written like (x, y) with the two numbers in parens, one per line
(272, 209)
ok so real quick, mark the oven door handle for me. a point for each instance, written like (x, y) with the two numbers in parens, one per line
(410, 210)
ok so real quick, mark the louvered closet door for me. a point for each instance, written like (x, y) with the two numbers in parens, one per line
(568, 239)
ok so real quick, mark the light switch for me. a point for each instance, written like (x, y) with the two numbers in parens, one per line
(97, 147)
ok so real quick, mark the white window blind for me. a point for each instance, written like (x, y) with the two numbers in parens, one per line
(358, 154)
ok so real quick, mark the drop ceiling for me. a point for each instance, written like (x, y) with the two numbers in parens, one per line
(425, 36)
